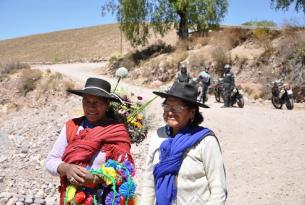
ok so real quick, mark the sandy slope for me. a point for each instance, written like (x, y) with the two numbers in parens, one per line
(263, 148)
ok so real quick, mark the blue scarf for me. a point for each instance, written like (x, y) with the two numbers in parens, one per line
(171, 156)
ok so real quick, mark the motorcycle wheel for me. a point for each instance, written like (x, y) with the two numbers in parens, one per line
(289, 104)
(241, 102)
(276, 104)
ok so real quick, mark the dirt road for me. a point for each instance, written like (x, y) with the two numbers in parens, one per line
(263, 148)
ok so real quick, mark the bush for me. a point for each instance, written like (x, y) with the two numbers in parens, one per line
(237, 36)
(254, 90)
(51, 81)
(8, 69)
(29, 78)
(220, 57)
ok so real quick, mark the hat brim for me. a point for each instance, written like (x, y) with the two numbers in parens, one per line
(165, 95)
(95, 92)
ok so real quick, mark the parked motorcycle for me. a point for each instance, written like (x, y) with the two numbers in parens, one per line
(282, 94)
(237, 97)
(218, 90)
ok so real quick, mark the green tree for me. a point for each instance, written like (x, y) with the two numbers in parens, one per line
(263, 23)
(284, 4)
(137, 16)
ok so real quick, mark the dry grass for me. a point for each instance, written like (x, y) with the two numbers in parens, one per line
(254, 90)
(28, 80)
(220, 57)
(7, 69)
(98, 42)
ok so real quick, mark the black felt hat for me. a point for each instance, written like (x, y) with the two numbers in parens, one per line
(97, 87)
(184, 91)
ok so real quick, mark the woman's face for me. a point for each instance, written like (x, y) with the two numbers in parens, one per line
(176, 114)
(94, 108)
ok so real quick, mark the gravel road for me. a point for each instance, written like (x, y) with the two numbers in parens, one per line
(263, 148)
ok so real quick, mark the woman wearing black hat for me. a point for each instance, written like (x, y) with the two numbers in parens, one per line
(184, 163)
(89, 141)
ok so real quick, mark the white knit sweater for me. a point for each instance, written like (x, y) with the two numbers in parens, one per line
(201, 178)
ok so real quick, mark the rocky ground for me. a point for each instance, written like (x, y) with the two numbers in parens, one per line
(263, 148)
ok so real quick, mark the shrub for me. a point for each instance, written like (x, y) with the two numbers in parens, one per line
(68, 84)
(220, 57)
(51, 81)
(182, 45)
(299, 53)
(29, 78)
(237, 36)
(254, 90)
(8, 69)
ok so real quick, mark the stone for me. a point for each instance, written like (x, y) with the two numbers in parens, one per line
(50, 201)
(12, 201)
(7, 195)
(3, 200)
(28, 200)
(39, 200)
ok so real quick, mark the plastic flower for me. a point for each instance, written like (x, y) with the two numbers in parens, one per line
(110, 198)
(109, 173)
(129, 166)
(111, 163)
(80, 197)
(71, 190)
(121, 72)
(127, 189)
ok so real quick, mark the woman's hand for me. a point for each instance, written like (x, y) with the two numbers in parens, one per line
(89, 178)
(75, 174)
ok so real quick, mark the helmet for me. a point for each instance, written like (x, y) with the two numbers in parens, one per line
(183, 68)
(227, 66)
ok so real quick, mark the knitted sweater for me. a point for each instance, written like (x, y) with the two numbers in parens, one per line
(201, 178)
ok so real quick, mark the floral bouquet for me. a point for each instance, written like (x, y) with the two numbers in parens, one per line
(118, 187)
(130, 111)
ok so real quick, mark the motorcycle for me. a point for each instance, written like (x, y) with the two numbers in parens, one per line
(282, 94)
(218, 90)
(237, 97)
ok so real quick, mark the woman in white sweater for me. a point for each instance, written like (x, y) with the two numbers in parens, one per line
(184, 164)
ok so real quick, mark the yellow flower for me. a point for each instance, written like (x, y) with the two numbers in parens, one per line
(71, 190)
(138, 125)
(139, 117)
(109, 174)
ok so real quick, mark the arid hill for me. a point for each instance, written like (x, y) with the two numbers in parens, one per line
(91, 43)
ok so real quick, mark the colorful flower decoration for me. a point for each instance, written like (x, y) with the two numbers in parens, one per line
(127, 189)
(118, 187)
(112, 200)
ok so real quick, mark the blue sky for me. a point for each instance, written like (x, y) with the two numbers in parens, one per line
(26, 17)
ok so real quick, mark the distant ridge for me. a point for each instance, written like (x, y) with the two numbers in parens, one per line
(96, 42)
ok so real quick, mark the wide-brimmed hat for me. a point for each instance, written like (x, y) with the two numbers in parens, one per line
(184, 91)
(97, 87)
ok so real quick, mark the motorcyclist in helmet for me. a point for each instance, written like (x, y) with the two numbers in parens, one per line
(183, 76)
(205, 80)
(228, 84)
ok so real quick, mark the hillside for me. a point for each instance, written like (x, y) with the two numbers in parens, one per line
(91, 43)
